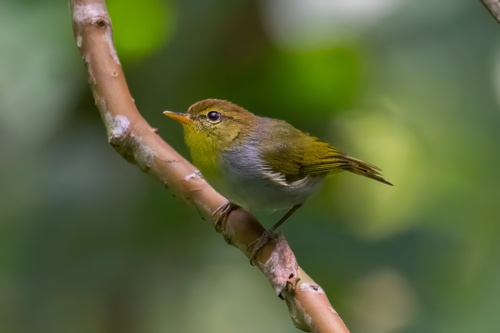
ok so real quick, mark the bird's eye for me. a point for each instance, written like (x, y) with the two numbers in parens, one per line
(213, 116)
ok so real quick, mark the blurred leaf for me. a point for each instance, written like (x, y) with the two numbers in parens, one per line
(328, 75)
(140, 28)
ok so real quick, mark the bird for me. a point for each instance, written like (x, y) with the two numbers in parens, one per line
(261, 163)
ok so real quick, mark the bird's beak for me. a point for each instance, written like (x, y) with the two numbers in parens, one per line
(183, 118)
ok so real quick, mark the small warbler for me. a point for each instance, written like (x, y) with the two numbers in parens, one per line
(260, 163)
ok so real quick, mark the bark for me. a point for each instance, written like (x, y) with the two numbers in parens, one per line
(494, 7)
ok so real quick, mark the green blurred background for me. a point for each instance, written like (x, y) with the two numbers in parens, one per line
(90, 244)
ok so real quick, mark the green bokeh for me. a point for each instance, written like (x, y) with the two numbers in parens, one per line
(90, 244)
(141, 27)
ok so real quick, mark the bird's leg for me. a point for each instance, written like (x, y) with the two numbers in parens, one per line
(285, 217)
(220, 215)
(270, 233)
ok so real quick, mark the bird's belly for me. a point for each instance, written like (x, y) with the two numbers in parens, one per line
(250, 187)
(257, 194)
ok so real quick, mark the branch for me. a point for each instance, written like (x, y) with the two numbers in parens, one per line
(494, 8)
(138, 143)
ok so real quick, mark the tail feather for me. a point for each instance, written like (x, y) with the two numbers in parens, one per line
(324, 159)
(362, 168)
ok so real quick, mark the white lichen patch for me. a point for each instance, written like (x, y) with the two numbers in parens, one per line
(108, 37)
(281, 267)
(311, 287)
(144, 155)
(88, 65)
(100, 102)
(95, 13)
(79, 40)
(194, 175)
(117, 125)
(307, 320)
(270, 269)
(89, 13)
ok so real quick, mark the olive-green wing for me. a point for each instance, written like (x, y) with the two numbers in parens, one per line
(281, 150)
(295, 155)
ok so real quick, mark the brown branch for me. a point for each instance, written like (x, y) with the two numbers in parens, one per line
(494, 8)
(138, 143)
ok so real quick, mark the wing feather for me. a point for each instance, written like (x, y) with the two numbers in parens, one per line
(296, 155)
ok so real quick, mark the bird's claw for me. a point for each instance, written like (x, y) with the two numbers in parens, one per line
(220, 215)
(259, 243)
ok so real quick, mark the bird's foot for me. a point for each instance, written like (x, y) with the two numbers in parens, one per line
(259, 243)
(220, 215)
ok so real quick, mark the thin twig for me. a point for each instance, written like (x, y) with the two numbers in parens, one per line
(494, 8)
(138, 143)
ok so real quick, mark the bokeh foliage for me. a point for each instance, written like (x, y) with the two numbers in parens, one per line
(89, 244)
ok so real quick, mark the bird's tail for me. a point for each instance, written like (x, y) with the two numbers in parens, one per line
(362, 168)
